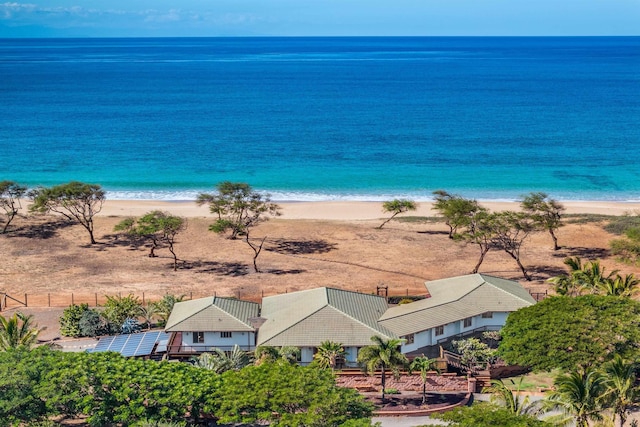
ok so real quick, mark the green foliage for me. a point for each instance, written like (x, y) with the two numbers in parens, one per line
(474, 352)
(456, 211)
(108, 389)
(10, 195)
(70, 320)
(627, 250)
(151, 423)
(487, 415)
(164, 307)
(360, 422)
(219, 361)
(93, 324)
(76, 201)
(329, 353)
(621, 393)
(591, 278)
(287, 395)
(118, 308)
(285, 354)
(579, 395)
(396, 207)
(545, 212)
(21, 372)
(384, 355)
(564, 332)
(238, 207)
(17, 331)
(156, 226)
(621, 224)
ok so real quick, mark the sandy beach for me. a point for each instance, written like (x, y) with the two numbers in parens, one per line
(347, 210)
(335, 244)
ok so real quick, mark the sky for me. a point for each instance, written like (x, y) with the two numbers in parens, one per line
(212, 18)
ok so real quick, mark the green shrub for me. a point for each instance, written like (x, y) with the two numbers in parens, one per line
(392, 391)
(620, 224)
(93, 324)
(150, 423)
(626, 250)
(70, 320)
(396, 299)
(118, 309)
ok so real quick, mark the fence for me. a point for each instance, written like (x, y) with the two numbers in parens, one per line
(96, 299)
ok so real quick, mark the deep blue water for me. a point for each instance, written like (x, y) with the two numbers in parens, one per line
(325, 118)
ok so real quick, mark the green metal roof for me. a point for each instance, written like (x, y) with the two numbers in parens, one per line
(454, 299)
(307, 318)
(212, 314)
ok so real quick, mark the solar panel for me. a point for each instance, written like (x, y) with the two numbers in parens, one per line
(130, 346)
(103, 344)
(118, 342)
(140, 344)
(147, 343)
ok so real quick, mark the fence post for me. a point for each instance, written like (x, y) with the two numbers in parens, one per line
(96, 299)
(72, 301)
(143, 298)
(25, 300)
(49, 299)
(191, 295)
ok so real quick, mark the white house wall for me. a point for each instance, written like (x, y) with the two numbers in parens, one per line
(428, 337)
(245, 340)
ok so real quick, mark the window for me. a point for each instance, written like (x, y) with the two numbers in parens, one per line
(487, 315)
(198, 337)
(439, 330)
(225, 334)
(467, 322)
(409, 339)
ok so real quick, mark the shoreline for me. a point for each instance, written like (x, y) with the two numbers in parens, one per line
(348, 210)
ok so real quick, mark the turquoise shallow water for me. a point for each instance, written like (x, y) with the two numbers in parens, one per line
(325, 118)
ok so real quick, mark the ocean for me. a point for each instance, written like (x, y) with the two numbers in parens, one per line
(325, 118)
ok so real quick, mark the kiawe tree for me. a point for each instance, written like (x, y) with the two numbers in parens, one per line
(510, 230)
(10, 195)
(396, 207)
(157, 227)
(546, 212)
(456, 211)
(239, 208)
(76, 201)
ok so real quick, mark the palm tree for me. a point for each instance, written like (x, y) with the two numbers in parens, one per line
(219, 361)
(626, 286)
(424, 365)
(511, 399)
(18, 331)
(286, 353)
(578, 395)
(384, 354)
(621, 392)
(328, 354)
(588, 277)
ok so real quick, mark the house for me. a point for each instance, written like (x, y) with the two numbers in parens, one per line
(305, 319)
(203, 324)
(458, 306)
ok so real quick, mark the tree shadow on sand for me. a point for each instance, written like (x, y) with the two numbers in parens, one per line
(44, 230)
(283, 272)
(544, 272)
(234, 269)
(582, 252)
(301, 247)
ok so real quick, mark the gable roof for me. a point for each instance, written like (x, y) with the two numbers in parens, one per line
(212, 314)
(306, 318)
(454, 299)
